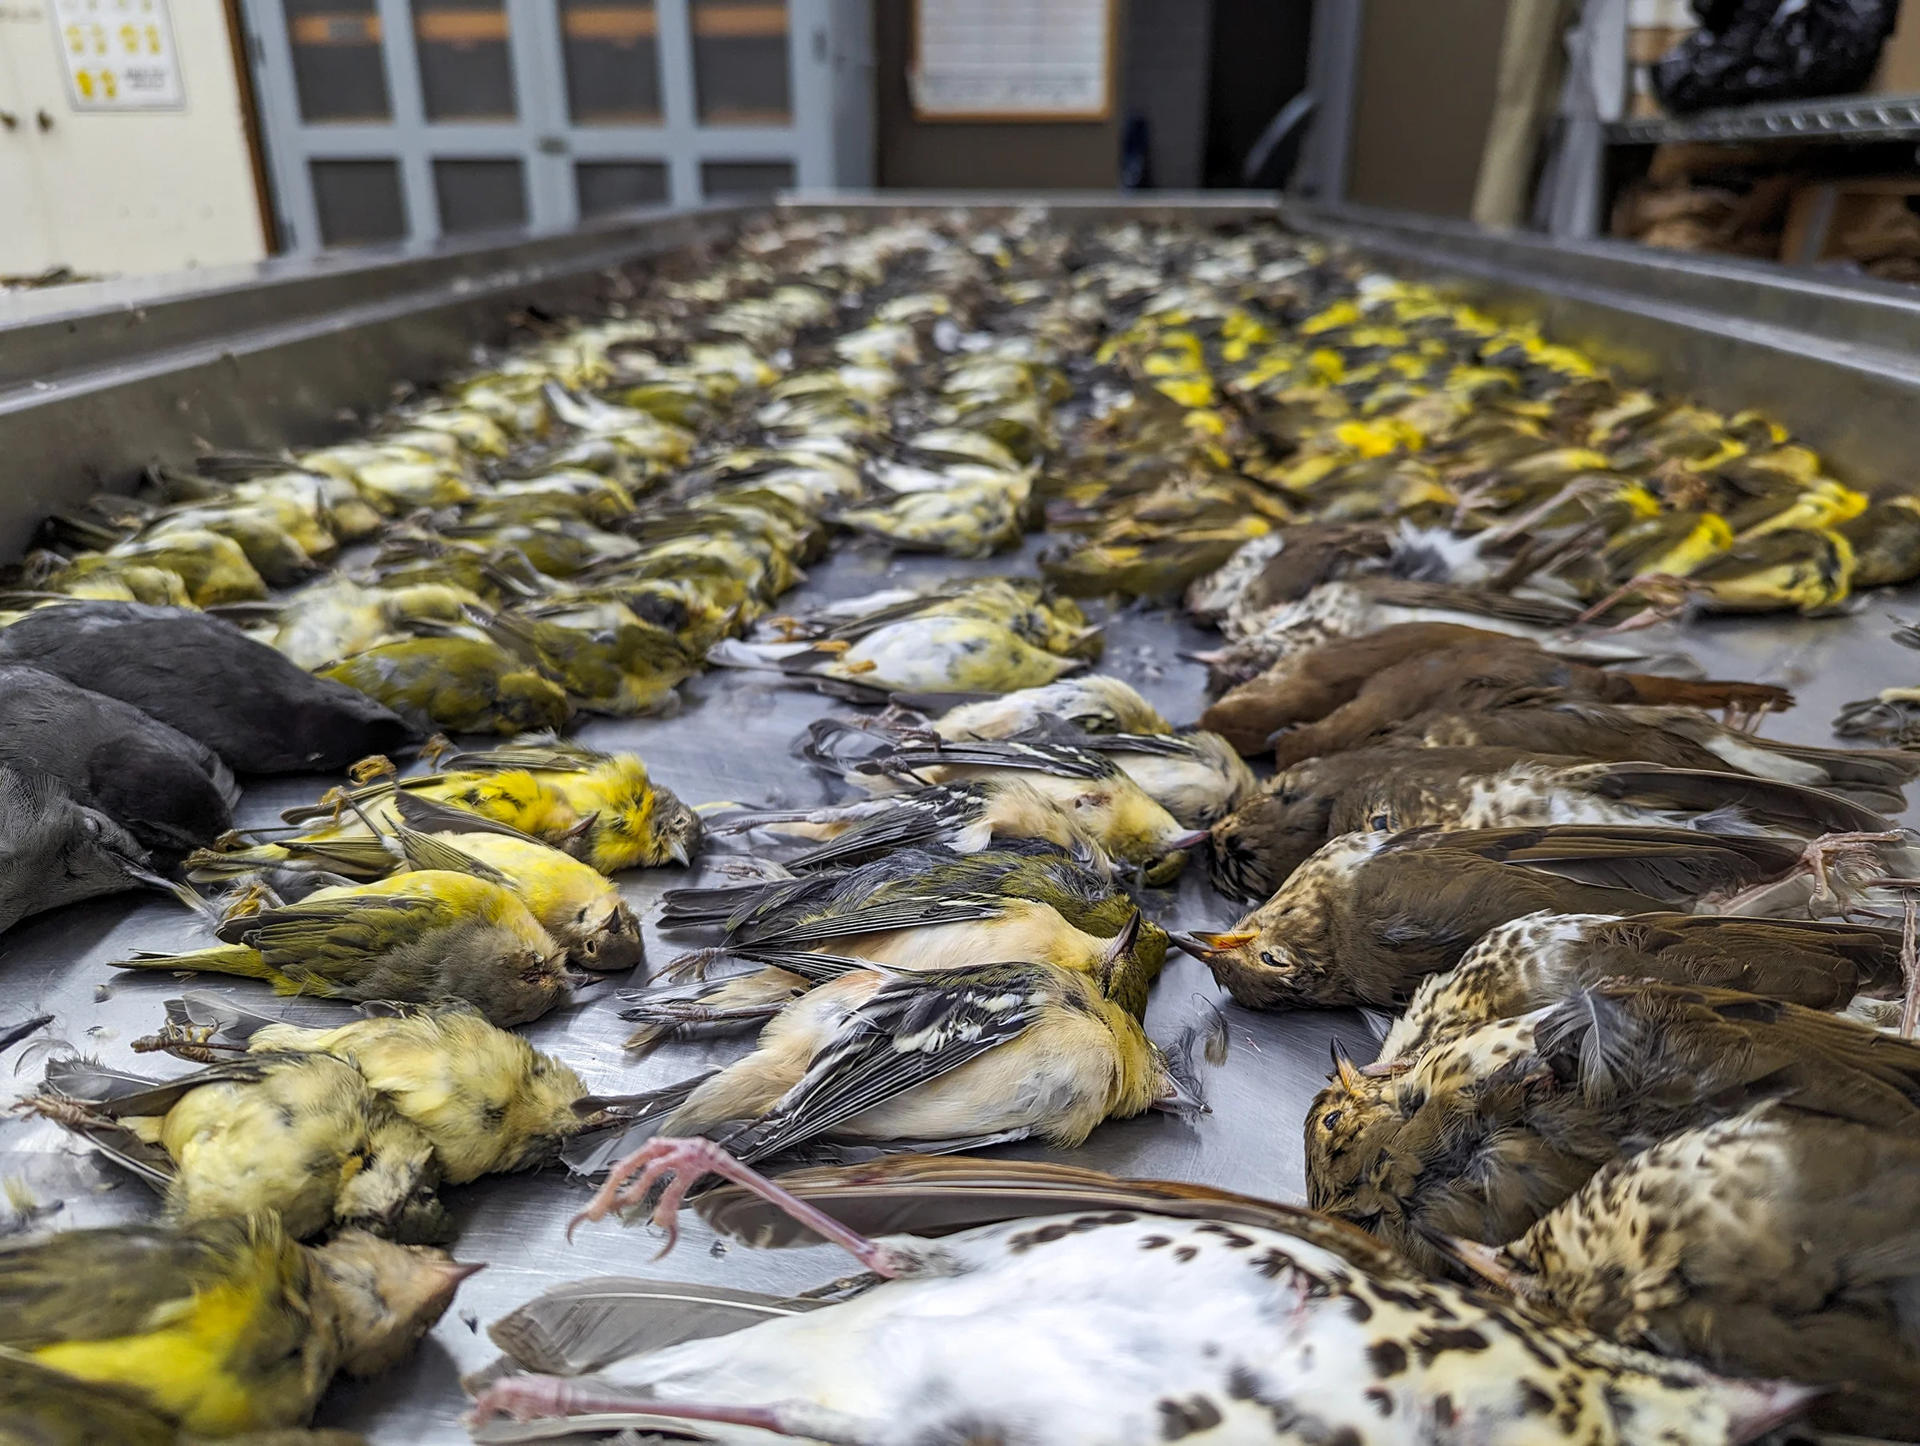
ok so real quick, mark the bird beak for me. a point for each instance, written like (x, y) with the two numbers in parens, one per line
(1486, 1261)
(580, 830)
(1274, 737)
(1191, 839)
(1204, 946)
(678, 852)
(456, 1271)
(1344, 1071)
(1177, 1097)
(1122, 944)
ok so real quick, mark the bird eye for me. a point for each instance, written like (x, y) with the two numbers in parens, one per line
(1332, 1119)
(1266, 958)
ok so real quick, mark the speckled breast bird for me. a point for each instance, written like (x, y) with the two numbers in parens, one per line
(1774, 1241)
(1485, 1134)
(1543, 958)
(1370, 915)
(1348, 609)
(1680, 737)
(1046, 1320)
(1394, 787)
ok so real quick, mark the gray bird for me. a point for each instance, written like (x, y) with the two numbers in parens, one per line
(54, 851)
(257, 710)
(170, 792)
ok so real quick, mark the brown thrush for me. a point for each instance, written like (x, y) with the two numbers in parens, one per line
(1775, 1243)
(1389, 786)
(1543, 958)
(1683, 738)
(1478, 677)
(1367, 917)
(1496, 1128)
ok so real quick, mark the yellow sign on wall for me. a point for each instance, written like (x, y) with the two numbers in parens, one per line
(118, 54)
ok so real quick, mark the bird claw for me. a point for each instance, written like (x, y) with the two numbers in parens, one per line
(686, 1161)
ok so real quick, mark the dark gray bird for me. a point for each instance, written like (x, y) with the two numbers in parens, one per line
(258, 711)
(53, 851)
(170, 792)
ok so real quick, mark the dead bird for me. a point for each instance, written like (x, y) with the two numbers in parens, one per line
(54, 851)
(1541, 959)
(1371, 914)
(1044, 1248)
(208, 679)
(1397, 787)
(1680, 738)
(1480, 678)
(1492, 1130)
(1774, 1242)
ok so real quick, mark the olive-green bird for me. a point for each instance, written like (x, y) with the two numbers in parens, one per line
(485, 1099)
(299, 1135)
(224, 1326)
(416, 937)
(40, 1406)
(460, 684)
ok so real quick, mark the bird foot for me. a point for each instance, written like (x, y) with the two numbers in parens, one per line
(632, 1181)
(532, 1398)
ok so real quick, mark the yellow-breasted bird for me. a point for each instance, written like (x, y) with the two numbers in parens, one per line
(44, 1407)
(486, 1100)
(983, 1286)
(415, 937)
(296, 1135)
(603, 808)
(1195, 776)
(461, 684)
(1093, 702)
(913, 909)
(223, 1326)
(990, 1052)
(915, 655)
(573, 901)
(1130, 824)
(1776, 1243)
(625, 670)
(1370, 915)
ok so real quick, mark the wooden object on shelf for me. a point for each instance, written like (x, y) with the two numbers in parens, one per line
(1871, 221)
(1899, 70)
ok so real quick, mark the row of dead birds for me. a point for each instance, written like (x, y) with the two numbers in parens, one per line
(1652, 1068)
(1264, 382)
(574, 527)
(457, 901)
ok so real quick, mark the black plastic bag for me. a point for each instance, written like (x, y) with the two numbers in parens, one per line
(1748, 51)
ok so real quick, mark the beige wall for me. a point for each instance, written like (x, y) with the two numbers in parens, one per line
(1423, 101)
(124, 191)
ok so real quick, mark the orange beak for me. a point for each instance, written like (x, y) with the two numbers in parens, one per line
(1203, 946)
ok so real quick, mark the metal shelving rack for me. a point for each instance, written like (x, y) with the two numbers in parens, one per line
(1846, 118)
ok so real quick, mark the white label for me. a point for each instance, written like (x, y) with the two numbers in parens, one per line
(118, 54)
(1011, 57)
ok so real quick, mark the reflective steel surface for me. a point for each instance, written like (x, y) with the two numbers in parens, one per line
(733, 740)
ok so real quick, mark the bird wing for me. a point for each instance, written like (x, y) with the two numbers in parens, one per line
(931, 1195)
(1809, 811)
(916, 818)
(119, 1095)
(897, 910)
(429, 815)
(333, 938)
(1062, 759)
(425, 851)
(911, 1031)
(107, 1284)
(582, 1326)
(1813, 962)
(1663, 863)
